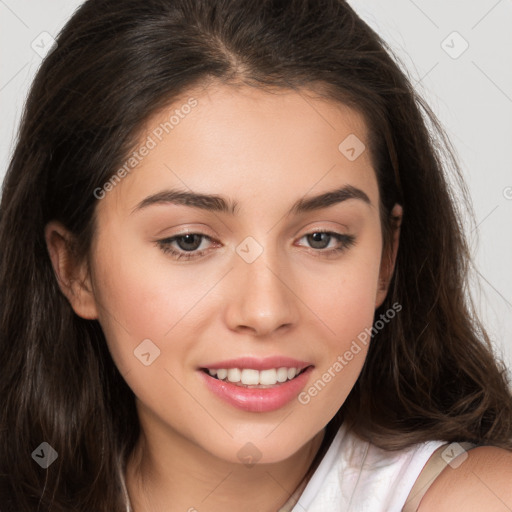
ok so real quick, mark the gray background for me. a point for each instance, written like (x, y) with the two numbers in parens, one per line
(470, 89)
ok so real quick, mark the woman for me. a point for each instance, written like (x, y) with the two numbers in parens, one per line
(233, 276)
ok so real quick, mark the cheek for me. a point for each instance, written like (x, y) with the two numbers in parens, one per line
(344, 296)
(137, 299)
(347, 311)
(343, 299)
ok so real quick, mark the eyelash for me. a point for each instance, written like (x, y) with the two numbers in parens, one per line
(165, 245)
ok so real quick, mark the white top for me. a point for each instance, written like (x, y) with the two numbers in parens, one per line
(357, 476)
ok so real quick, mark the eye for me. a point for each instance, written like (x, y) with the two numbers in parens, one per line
(320, 239)
(188, 244)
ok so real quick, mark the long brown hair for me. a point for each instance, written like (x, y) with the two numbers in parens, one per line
(429, 374)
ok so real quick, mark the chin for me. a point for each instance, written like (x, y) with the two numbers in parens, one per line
(258, 449)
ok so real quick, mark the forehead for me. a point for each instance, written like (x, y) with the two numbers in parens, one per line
(248, 141)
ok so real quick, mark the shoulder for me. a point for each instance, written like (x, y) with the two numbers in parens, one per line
(483, 481)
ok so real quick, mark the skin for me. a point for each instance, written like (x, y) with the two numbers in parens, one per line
(481, 482)
(265, 151)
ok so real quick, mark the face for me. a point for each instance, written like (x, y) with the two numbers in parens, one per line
(258, 280)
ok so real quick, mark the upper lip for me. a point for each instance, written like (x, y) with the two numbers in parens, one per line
(254, 363)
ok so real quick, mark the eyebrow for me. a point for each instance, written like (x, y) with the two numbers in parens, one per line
(216, 203)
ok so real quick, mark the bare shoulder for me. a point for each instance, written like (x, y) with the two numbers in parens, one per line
(483, 481)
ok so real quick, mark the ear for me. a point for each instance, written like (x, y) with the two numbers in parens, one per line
(388, 260)
(73, 279)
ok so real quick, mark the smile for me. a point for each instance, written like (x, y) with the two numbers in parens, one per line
(254, 378)
(256, 390)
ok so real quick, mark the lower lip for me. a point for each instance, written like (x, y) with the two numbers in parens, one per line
(257, 399)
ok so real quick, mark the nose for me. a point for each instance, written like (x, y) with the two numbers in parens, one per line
(262, 298)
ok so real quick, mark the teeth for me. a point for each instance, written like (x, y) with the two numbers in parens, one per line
(268, 377)
(234, 375)
(282, 374)
(250, 377)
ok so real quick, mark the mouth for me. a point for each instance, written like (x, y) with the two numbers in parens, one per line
(256, 391)
(251, 378)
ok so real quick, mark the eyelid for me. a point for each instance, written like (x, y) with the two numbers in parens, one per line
(197, 229)
(321, 226)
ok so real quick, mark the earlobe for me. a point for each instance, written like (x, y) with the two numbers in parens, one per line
(389, 257)
(73, 278)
